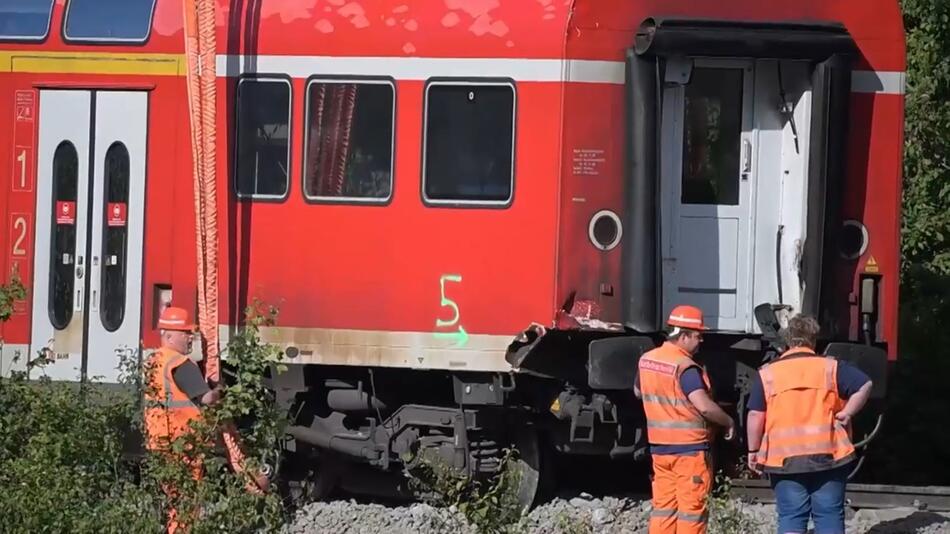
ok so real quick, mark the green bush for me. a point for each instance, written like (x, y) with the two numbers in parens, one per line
(491, 505)
(64, 465)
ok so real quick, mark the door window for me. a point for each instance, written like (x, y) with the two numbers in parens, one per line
(115, 237)
(712, 132)
(62, 280)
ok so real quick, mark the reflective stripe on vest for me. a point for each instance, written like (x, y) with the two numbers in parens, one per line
(668, 401)
(801, 433)
(671, 418)
(676, 424)
(169, 402)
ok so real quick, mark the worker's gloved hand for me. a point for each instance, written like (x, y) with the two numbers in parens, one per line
(212, 396)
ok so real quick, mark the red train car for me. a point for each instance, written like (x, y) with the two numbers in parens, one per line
(415, 183)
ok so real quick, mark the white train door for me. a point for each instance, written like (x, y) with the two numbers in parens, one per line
(90, 207)
(706, 190)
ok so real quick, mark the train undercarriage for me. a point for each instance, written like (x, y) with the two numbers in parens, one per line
(363, 429)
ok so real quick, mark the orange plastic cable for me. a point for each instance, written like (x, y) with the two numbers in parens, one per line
(207, 51)
(200, 50)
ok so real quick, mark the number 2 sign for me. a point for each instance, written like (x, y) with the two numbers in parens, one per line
(19, 234)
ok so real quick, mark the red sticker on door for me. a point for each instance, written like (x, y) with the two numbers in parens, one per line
(117, 214)
(65, 212)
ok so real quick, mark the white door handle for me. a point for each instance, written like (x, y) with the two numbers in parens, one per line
(746, 158)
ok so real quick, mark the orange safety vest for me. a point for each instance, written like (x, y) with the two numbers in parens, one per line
(168, 411)
(801, 400)
(671, 417)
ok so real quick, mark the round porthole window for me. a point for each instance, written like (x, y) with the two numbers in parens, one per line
(605, 230)
(854, 239)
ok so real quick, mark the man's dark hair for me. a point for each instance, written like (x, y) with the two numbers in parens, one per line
(802, 331)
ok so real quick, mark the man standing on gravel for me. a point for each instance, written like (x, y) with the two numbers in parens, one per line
(675, 394)
(803, 443)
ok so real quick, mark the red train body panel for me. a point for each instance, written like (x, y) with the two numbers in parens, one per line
(410, 280)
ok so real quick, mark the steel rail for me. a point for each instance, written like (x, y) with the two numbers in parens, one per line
(932, 498)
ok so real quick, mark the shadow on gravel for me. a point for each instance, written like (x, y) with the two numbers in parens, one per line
(909, 524)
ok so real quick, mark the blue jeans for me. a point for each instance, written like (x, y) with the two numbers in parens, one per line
(819, 495)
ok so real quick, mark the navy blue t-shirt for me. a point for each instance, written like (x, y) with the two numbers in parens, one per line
(690, 381)
(850, 380)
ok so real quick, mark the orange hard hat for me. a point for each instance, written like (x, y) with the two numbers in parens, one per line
(173, 318)
(689, 317)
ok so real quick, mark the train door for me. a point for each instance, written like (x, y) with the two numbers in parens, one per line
(706, 189)
(89, 231)
(733, 147)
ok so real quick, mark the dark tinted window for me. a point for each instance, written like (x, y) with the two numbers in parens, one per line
(25, 19)
(62, 258)
(108, 20)
(349, 151)
(115, 237)
(469, 142)
(263, 130)
(712, 135)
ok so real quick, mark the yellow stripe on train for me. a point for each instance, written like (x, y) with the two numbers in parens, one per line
(93, 63)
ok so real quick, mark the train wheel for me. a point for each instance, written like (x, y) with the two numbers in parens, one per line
(530, 465)
(311, 480)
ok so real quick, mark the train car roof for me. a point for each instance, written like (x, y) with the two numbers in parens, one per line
(536, 29)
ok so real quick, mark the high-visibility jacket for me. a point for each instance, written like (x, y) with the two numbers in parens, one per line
(671, 417)
(169, 410)
(801, 400)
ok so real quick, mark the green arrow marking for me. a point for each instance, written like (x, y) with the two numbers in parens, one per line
(460, 337)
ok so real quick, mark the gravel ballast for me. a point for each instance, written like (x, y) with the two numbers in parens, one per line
(580, 514)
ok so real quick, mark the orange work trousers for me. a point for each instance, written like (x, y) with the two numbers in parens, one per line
(681, 483)
(173, 523)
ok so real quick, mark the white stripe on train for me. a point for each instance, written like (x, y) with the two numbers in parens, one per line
(522, 70)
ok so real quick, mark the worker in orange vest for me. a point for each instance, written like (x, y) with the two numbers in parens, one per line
(176, 392)
(800, 409)
(675, 392)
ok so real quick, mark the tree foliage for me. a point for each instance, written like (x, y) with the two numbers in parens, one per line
(926, 217)
(913, 440)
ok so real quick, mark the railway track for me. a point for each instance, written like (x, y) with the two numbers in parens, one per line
(932, 498)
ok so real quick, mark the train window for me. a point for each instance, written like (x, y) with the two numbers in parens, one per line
(469, 143)
(25, 20)
(263, 138)
(108, 20)
(713, 126)
(115, 237)
(62, 259)
(349, 141)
